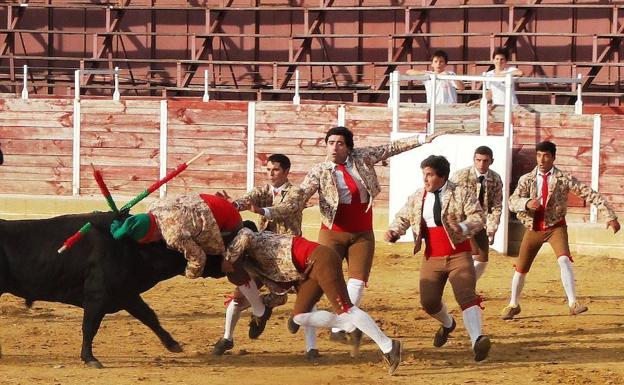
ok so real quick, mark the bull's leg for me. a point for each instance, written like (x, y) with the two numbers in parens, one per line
(91, 320)
(141, 311)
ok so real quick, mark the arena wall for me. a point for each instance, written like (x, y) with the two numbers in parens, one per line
(124, 139)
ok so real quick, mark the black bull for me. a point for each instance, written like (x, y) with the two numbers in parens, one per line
(99, 274)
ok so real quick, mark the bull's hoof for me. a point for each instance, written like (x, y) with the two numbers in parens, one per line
(95, 364)
(174, 347)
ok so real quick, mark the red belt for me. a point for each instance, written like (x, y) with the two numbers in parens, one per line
(539, 223)
(439, 245)
(352, 218)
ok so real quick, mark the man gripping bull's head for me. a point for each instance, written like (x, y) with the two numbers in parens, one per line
(194, 225)
(197, 226)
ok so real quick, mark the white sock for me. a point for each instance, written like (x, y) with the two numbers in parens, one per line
(367, 325)
(443, 317)
(310, 335)
(355, 288)
(472, 322)
(517, 283)
(232, 315)
(567, 278)
(479, 268)
(251, 293)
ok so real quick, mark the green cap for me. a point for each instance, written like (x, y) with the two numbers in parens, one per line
(136, 227)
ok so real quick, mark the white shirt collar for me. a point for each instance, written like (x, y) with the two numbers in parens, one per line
(278, 189)
(551, 171)
(478, 174)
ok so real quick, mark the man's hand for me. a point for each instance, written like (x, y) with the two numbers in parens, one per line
(391, 236)
(614, 224)
(255, 209)
(224, 195)
(227, 266)
(491, 238)
(533, 204)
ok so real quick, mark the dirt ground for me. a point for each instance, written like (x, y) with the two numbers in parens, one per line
(543, 345)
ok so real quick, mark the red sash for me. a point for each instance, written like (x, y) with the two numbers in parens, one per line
(226, 215)
(439, 245)
(301, 250)
(352, 218)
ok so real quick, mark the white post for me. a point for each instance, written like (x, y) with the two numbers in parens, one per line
(296, 98)
(483, 112)
(506, 192)
(578, 106)
(77, 85)
(25, 88)
(432, 104)
(508, 105)
(391, 90)
(164, 126)
(116, 93)
(251, 143)
(76, 150)
(342, 115)
(396, 99)
(206, 96)
(595, 170)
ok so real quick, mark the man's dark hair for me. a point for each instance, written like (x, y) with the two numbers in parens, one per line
(439, 164)
(282, 159)
(484, 150)
(442, 54)
(546, 146)
(501, 51)
(344, 132)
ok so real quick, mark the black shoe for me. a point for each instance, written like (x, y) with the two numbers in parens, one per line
(257, 324)
(340, 336)
(393, 357)
(442, 335)
(355, 337)
(293, 327)
(482, 348)
(312, 355)
(222, 346)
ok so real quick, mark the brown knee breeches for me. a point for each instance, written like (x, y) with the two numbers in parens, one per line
(459, 270)
(357, 248)
(532, 241)
(325, 276)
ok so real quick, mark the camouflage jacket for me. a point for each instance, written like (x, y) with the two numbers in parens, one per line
(493, 195)
(459, 204)
(322, 178)
(557, 201)
(267, 256)
(263, 197)
(188, 226)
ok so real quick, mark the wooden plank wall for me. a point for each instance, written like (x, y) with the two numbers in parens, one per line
(36, 138)
(121, 138)
(611, 182)
(220, 128)
(295, 131)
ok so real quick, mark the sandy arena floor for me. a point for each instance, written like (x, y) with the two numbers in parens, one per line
(544, 345)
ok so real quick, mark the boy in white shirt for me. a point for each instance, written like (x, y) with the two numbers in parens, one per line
(446, 90)
(496, 90)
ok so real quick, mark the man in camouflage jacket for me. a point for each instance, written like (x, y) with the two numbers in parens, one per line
(445, 216)
(488, 187)
(541, 202)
